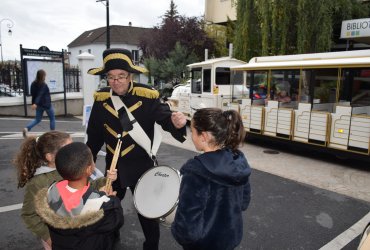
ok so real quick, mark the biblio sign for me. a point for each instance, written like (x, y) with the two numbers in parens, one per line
(355, 28)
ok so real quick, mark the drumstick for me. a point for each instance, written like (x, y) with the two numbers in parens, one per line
(113, 165)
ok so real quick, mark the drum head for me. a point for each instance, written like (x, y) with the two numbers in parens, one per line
(157, 192)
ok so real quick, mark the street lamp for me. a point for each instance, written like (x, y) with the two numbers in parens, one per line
(108, 29)
(10, 25)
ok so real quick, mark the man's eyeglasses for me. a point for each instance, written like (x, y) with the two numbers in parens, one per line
(119, 78)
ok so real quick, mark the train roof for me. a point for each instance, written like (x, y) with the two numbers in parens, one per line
(228, 61)
(358, 58)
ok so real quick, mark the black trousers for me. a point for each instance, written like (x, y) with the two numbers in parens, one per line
(150, 227)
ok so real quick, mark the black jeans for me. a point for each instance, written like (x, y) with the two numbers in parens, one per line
(150, 227)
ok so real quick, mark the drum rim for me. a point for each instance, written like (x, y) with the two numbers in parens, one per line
(173, 207)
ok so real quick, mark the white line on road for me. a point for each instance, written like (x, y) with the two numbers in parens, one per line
(12, 135)
(31, 118)
(11, 208)
(347, 236)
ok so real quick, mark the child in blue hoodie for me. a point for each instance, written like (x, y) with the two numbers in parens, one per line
(215, 187)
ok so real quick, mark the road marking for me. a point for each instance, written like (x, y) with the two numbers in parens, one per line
(19, 135)
(43, 120)
(11, 208)
(347, 236)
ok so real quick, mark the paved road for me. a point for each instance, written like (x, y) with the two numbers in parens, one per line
(293, 205)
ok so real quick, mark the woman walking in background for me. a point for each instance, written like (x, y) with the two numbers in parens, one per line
(41, 101)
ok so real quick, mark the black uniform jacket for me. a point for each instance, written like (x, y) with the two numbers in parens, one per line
(104, 126)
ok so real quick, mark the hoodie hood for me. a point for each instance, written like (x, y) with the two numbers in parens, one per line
(44, 170)
(63, 222)
(224, 166)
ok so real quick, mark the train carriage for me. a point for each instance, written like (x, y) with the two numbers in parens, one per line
(321, 99)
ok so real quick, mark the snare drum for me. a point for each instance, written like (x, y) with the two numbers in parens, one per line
(157, 193)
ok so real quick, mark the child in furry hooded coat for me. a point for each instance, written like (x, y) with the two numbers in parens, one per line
(79, 216)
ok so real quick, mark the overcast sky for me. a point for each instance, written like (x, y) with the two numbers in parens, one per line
(56, 23)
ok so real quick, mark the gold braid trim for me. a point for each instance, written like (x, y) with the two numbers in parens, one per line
(110, 130)
(94, 71)
(128, 149)
(125, 58)
(145, 92)
(114, 133)
(135, 106)
(124, 152)
(101, 96)
(110, 109)
(110, 149)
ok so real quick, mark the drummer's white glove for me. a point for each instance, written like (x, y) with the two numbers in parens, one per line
(178, 119)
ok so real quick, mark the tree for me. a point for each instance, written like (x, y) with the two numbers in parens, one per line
(163, 37)
(247, 33)
(314, 26)
(230, 31)
(174, 66)
(153, 66)
(273, 27)
(220, 34)
(174, 28)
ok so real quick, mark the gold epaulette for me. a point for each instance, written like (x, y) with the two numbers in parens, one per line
(145, 92)
(101, 96)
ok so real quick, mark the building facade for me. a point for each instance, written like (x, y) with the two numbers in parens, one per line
(94, 42)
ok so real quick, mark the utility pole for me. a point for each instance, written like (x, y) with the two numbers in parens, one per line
(9, 25)
(108, 28)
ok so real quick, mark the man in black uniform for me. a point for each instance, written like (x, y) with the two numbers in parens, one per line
(115, 111)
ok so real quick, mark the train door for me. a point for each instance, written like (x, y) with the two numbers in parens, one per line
(253, 116)
(201, 94)
(351, 121)
(317, 95)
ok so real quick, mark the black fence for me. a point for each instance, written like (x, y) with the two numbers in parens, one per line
(11, 83)
(72, 79)
(11, 80)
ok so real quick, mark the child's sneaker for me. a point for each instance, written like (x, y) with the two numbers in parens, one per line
(25, 132)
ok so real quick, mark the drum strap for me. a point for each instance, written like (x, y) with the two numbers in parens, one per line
(137, 132)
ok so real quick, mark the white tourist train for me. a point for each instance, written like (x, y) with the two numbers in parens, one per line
(321, 100)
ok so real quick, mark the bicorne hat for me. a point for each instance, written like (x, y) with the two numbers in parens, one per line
(117, 59)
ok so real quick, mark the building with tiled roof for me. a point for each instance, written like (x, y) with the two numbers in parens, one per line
(94, 42)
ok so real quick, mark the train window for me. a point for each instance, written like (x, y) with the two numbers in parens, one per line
(257, 80)
(355, 87)
(284, 85)
(239, 90)
(305, 95)
(196, 76)
(236, 77)
(325, 85)
(222, 76)
(207, 80)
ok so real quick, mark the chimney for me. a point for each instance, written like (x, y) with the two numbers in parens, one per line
(205, 54)
(129, 24)
(230, 50)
